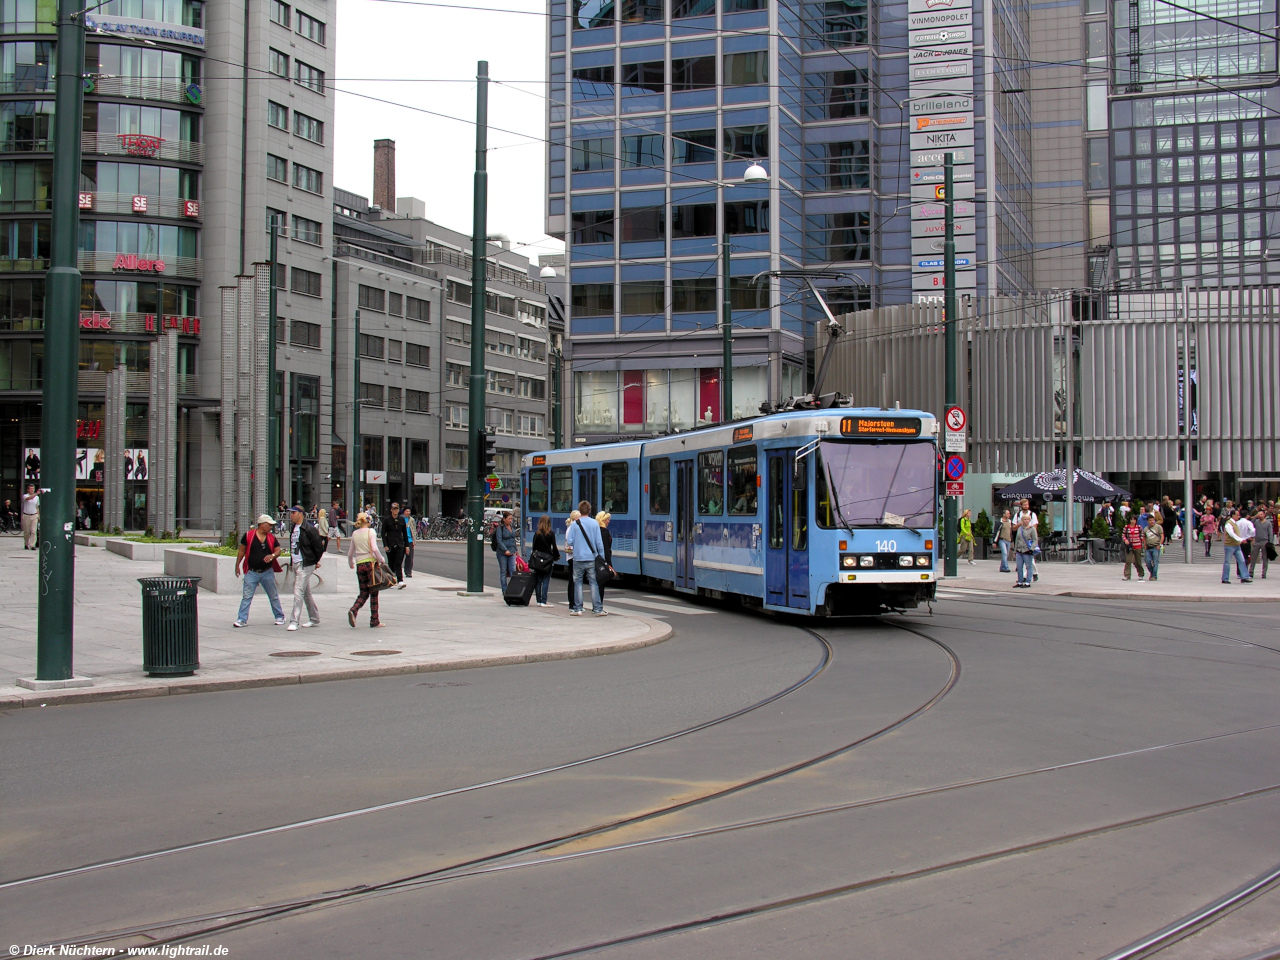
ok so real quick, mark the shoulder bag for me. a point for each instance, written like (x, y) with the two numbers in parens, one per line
(540, 561)
(604, 572)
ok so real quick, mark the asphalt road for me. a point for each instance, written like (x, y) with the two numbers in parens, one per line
(1025, 777)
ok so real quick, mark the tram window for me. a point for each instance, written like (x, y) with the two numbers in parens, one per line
(822, 495)
(538, 491)
(777, 503)
(742, 481)
(561, 489)
(799, 512)
(660, 485)
(616, 481)
(711, 483)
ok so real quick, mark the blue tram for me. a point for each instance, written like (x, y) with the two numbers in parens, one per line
(821, 512)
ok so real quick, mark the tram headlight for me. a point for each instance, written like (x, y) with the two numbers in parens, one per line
(866, 561)
(923, 561)
(848, 561)
(905, 560)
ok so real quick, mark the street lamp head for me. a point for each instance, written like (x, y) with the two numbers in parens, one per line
(547, 273)
(755, 174)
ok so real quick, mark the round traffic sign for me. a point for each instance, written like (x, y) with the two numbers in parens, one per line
(955, 467)
(955, 419)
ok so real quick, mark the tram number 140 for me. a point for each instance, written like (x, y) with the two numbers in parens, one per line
(886, 546)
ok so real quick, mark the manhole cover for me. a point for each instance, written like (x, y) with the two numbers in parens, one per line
(296, 653)
(444, 683)
(374, 653)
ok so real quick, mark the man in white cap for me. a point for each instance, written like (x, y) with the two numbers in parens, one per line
(258, 553)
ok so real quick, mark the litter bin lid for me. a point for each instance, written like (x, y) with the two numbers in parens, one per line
(169, 583)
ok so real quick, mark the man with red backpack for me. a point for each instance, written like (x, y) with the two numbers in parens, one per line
(258, 554)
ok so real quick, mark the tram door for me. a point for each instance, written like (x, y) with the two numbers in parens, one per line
(684, 525)
(787, 553)
(587, 489)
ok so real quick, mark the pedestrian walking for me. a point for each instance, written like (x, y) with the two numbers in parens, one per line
(1026, 545)
(1208, 528)
(606, 539)
(1264, 538)
(1131, 537)
(1246, 545)
(1004, 540)
(322, 528)
(1153, 541)
(407, 515)
(305, 549)
(259, 557)
(362, 553)
(393, 540)
(1026, 511)
(1232, 538)
(544, 544)
(585, 540)
(505, 546)
(30, 517)
(966, 535)
(568, 549)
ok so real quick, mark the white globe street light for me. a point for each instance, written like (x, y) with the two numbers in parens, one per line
(755, 174)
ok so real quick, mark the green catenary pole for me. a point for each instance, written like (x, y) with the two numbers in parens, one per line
(476, 415)
(557, 404)
(274, 486)
(355, 460)
(726, 329)
(951, 567)
(55, 620)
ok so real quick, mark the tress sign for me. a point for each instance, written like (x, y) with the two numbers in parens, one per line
(879, 427)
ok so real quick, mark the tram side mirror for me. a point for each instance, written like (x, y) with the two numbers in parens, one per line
(798, 475)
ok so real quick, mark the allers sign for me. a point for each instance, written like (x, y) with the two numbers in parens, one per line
(131, 261)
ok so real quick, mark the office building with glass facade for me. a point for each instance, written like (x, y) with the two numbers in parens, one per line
(656, 110)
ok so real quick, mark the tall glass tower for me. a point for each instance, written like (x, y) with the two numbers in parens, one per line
(657, 108)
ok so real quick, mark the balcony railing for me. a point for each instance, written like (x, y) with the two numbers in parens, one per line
(123, 203)
(169, 91)
(113, 145)
(186, 267)
(27, 145)
(95, 381)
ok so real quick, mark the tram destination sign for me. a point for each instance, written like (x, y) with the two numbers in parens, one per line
(743, 434)
(880, 426)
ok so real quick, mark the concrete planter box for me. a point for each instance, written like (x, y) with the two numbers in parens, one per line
(143, 551)
(218, 574)
(86, 540)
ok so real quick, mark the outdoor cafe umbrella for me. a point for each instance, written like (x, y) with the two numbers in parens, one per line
(1052, 486)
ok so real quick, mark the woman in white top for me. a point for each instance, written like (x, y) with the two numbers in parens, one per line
(362, 552)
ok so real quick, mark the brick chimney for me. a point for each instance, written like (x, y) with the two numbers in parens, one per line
(384, 175)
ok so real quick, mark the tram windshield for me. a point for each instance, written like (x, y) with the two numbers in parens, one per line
(878, 484)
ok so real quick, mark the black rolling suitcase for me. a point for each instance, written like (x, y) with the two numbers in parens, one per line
(519, 590)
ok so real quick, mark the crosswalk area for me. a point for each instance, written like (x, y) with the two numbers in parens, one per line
(652, 605)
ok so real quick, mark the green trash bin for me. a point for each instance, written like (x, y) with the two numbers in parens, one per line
(170, 642)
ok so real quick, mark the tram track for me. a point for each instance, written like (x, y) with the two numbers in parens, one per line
(229, 920)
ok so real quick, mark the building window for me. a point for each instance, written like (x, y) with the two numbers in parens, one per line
(375, 348)
(395, 304)
(533, 389)
(530, 349)
(416, 309)
(419, 450)
(277, 168)
(416, 401)
(281, 272)
(278, 221)
(308, 231)
(458, 292)
(746, 216)
(305, 282)
(503, 306)
(455, 375)
(639, 79)
(371, 395)
(497, 341)
(280, 13)
(693, 73)
(592, 154)
(308, 128)
(455, 331)
(311, 28)
(643, 297)
(455, 458)
(306, 406)
(393, 398)
(502, 421)
(308, 179)
(308, 76)
(746, 69)
(693, 220)
(373, 446)
(693, 146)
(592, 299)
(593, 83)
(500, 382)
(839, 236)
(843, 23)
(846, 165)
(693, 296)
(642, 150)
(303, 334)
(528, 425)
(277, 116)
(641, 224)
(592, 226)
(395, 351)
(746, 143)
(455, 416)
(744, 294)
(837, 95)
(371, 298)
(278, 63)
(417, 355)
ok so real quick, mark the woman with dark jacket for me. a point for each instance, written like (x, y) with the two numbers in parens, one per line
(544, 541)
(606, 537)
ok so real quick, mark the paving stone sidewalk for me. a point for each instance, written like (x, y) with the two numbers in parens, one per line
(428, 628)
(1177, 582)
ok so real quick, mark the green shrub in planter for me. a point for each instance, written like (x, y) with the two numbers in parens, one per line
(982, 526)
(1100, 528)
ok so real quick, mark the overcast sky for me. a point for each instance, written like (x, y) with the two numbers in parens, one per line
(425, 58)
